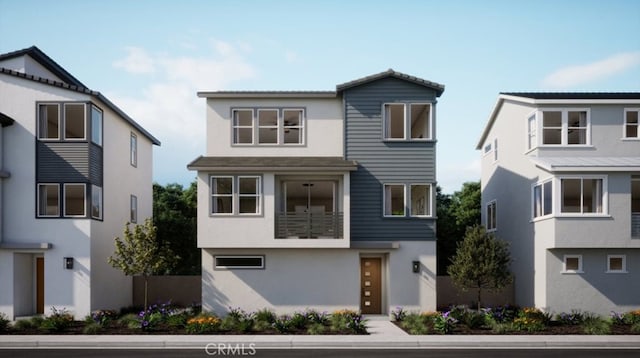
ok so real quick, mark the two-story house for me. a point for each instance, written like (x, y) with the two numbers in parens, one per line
(74, 168)
(561, 183)
(320, 199)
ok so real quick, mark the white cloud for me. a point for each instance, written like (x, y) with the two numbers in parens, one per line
(451, 177)
(580, 74)
(137, 61)
(169, 107)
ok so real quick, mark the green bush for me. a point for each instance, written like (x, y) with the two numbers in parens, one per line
(283, 324)
(349, 321)
(92, 328)
(531, 319)
(594, 324)
(418, 323)
(444, 323)
(4, 322)
(503, 328)
(58, 321)
(570, 319)
(129, 320)
(316, 328)
(265, 315)
(635, 328)
(202, 324)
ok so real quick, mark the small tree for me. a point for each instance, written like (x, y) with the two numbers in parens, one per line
(139, 253)
(481, 262)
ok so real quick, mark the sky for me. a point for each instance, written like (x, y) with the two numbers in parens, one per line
(151, 57)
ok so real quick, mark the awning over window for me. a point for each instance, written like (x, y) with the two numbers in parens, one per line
(588, 164)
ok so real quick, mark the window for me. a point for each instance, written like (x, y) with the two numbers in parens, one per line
(420, 200)
(492, 223)
(48, 200)
(133, 209)
(495, 150)
(239, 262)
(96, 202)
(133, 150)
(267, 126)
(394, 200)
(48, 121)
(581, 196)
(412, 120)
(487, 148)
(543, 199)
(96, 125)
(74, 121)
(274, 126)
(532, 127)
(243, 126)
(74, 200)
(572, 264)
(565, 127)
(616, 264)
(631, 123)
(235, 195)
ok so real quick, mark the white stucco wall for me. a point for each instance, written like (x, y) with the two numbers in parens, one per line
(323, 127)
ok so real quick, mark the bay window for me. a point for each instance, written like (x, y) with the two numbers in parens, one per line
(581, 196)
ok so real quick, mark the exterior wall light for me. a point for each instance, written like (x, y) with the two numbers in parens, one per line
(415, 265)
(68, 263)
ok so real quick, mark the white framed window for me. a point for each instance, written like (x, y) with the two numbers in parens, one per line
(293, 126)
(236, 195)
(407, 120)
(542, 199)
(96, 125)
(49, 121)
(74, 121)
(133, 209)
(268, 126)
(492, 216)
(48, 200)
(572, 264)
(74, 200)
(248, 195)
(495, 150)
(221, 195)
(394, 200)
(616, 263)
(420, 200)
(242, 126)
(583, 195)
(566, 127)
(631, 123)
(487, 148)
(532, 130)
(230, 262)
(133, 149)
(96, 202)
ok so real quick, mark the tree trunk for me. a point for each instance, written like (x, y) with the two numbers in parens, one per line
(479, 291)
(146, 282)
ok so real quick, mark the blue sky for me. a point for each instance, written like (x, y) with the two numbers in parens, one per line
(151, 57)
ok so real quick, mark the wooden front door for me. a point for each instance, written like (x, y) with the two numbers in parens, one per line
(40, 285)
(371, 285)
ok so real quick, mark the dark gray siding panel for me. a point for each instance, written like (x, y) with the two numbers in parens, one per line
(95, 165)
(62, 162)
(385, 162)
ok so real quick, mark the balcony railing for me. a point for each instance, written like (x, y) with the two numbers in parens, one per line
(635, 225)
(309, 225)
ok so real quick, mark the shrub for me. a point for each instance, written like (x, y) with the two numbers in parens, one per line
(422, 323)
(237, 320)
(399, 314)
(500, 314)
(348, 320)
(444, 323)
(177, 320)
(635, 328)
(129, 320)
(570, 319)
(298, 320)
(25, 324)
(57, 321)
(92, 328)
(594, 324)
(202, 324)
(102, 317)
(504, 327)
(265, 315)
(531, 319)
(314, 316)
(316, 328)
(632, 317)
(282, 324)
(4, 322)
(154, 315)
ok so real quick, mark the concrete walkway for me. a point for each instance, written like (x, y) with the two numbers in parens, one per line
(379, 325)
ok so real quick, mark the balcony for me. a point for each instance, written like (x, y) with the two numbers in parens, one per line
(635, 225)
(308, 225)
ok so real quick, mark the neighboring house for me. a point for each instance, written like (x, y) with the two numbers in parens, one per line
(561, 183)
(74, 169)
(320, 199)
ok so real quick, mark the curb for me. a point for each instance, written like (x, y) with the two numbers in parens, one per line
(319, 342)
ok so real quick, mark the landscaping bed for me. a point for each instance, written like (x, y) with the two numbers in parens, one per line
(510, 320)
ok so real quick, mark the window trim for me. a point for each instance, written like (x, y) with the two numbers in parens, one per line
(542, 183)
(221, 267)
(38, 198)
(234, 127)
(564, 129)
(429, 204)
(64, 120)
(235, 196)
(531, 140)
(133, 209)
(384, 200)
(558, 202)
(93, 126)
(212, 196)
(300, 127)
(39, 129)
(133, 150)
(489, 211)
(624, 264)
(280, 127)
(64, 200)
(624, 125)
(407, 122)
(257, 196)
(564, 264)
(98, 189)
(275, 127)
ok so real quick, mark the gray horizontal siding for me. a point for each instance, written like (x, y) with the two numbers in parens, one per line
(62, 162)
(95, 165)
(384, 162)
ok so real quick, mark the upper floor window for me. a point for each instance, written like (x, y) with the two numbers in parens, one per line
(420, 200)
(74, 121)
(133, 209)
(133, 150)
(582, 196)
(268, 126)
(68, 121)
(49, 121)
(532, 129)
(492, 216)
(394, 203)
(418, 203)
(96, 202)
(407, 121)
(566, 127)
(96, 125)
(631, 126)
(543, 199)
(235, 195)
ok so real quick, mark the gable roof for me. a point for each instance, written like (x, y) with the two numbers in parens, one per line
(568, 98)
(439, 88)
(69, 83)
